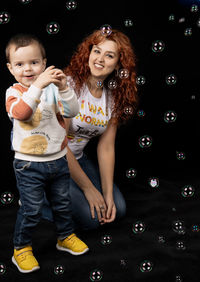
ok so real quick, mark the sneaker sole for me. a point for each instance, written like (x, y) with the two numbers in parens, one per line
(22, 270)
(70, 251)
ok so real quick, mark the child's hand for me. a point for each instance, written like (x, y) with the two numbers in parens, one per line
(46, 77)
(62, 80)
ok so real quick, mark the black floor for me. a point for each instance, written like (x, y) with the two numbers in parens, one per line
(157, 250)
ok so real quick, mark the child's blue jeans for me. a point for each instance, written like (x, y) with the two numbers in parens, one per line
(32, 178)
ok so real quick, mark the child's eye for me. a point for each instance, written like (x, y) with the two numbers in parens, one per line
(19, 64)
(34, 62)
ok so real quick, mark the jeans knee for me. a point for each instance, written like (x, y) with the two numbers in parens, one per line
(121, 209)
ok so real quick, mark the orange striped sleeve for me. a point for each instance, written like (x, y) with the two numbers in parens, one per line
(20, 111)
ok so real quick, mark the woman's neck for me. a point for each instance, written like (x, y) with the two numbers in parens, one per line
(95, 87)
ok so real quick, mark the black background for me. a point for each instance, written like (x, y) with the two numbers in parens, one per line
(158, 209)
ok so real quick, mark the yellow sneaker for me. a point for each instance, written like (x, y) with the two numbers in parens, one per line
(25, 260)
(73, 245)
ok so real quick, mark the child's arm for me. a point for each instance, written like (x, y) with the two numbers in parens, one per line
(22, 106)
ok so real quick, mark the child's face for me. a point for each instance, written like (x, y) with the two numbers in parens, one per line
(103, 59)
(26, 63)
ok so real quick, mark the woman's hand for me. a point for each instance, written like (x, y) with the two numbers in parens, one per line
(96, 201)
(111, 210)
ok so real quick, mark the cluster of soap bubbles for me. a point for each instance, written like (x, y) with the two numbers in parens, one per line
(188, 30)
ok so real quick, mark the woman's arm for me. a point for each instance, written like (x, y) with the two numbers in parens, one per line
(106, 159)
(93, 196)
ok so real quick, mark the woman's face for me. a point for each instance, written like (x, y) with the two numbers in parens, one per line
(103, 59)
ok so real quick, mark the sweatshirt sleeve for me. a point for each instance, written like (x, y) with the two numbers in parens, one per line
(68, 103)
(22, 106)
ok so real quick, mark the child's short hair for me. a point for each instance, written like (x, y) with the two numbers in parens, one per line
(23, 40)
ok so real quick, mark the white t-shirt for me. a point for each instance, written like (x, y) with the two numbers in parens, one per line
(92, 120)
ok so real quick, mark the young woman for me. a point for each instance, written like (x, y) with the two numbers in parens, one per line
(102, 73)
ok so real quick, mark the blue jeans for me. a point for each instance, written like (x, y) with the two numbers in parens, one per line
(32, 178)
(80, 206)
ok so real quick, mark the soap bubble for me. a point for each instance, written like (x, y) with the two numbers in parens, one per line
(4, 17)
(123, 263)
(180, 155)
(112, 84)
(195, 228)
(59, 270)
(187, 191)
(141, 113)
(128, 22)
(188, 31)
(198, 22)
(123, 73)
(145, 141)
(140, 80)
(171, 79)
(153, 182)
(2, 268)
(71, 5)
(106, 30)
(161, 239)
(6, 198)
(96, 275)
(53, 28)
(194, 8)
(128, 110)
(170, 116)
(181, 20)
(158, 46)
(180, 245)
(146, 266)
(178, 278)
(171, 18)
(131, 173)
(178, 226)
(106, 240)
(138, 227)
(25, 1)
(99, 84)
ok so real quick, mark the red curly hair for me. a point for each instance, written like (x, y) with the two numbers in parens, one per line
(125, 95)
